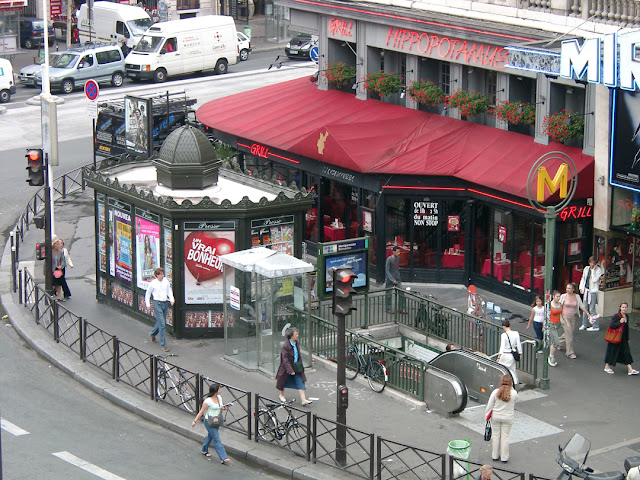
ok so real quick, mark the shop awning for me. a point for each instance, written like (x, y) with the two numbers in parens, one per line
(376, 137)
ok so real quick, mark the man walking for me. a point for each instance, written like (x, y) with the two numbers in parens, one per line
(392, 278)
(589, 287)
(160, 290)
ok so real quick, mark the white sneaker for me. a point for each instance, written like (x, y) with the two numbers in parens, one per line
(582, 327)
(552, 361)
(593, 329)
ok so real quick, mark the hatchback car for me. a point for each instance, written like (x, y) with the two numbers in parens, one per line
(300, 45)
(32, 33)
(244, 46)
(102, 63)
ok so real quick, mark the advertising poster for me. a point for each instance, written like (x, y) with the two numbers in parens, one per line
(102, 237)
(202, 265)
(122, 250)
(137, 122)
(357, 262)
(147, 251)
(275, 233)
(112, 261)
(168, 250)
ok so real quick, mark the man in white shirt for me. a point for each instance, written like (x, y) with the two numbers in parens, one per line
(160, 291)
(589, 287)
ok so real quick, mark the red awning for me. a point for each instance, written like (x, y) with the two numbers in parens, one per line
(376, 137)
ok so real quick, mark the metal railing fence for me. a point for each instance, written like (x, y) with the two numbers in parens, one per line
(400, 461)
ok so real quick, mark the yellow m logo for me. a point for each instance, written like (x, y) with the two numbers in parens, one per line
(560, 180)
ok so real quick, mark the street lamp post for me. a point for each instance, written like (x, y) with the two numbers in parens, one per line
(565, 180)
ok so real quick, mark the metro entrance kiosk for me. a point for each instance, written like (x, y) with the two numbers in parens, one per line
(271, 290)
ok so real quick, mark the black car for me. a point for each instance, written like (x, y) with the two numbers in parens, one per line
(32, 33)
(300, 45)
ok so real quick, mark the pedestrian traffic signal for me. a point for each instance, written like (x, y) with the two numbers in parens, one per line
(35, 166)
(343, 278)
(343, 396)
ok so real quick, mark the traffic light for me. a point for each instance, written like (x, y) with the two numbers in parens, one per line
(343, 278)
(35, 166)
(343, 396)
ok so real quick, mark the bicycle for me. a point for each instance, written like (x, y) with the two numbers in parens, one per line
(182, 387)
(373, 370)
(271, 429)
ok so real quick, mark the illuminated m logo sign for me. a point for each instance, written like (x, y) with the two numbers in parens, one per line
(561, 180)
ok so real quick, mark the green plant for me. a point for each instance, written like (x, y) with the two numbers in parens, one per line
(340, 74)
(383, 84)
(426, 93)
(516, 113)
(563, 125)
(223, 150)
(470, 104)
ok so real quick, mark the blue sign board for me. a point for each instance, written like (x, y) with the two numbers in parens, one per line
(313, 54)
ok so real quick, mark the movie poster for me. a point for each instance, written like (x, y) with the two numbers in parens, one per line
(137, 124)
(203, 268)
(112, 261)
(147, 251)
(102, 236)
(122, 250)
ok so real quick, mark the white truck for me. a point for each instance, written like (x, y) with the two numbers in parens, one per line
(113, 22)
(184, 46)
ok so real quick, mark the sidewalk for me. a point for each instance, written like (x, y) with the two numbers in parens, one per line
(579, 398)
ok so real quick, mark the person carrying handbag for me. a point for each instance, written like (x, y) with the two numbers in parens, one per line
(617, 338)
(212, 408)
(501, 405)
(291, 371)
(510, 348)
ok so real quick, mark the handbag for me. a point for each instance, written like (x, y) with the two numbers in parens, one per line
(57, 273)
(515, 353)
(614, 335)
(487, 430)
(218, 420)
(298, 367)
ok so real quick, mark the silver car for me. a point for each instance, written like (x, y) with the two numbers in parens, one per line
(73, 67)
(27, 75)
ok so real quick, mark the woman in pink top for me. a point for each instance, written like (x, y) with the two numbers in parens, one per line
(570, 305)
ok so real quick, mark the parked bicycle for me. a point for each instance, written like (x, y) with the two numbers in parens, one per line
(356, 362)
(271, 429)
(437, 324)
(180, 385)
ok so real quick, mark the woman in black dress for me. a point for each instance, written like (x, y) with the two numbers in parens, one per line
(620, 352)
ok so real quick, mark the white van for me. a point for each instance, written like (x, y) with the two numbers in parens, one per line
(184, 46)
(113, 22)
(7, 82)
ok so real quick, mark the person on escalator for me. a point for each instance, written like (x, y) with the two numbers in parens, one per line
(509, 343)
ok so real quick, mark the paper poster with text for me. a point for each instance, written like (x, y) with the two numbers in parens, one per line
(147, 251)
(203, 268)
(122, 223)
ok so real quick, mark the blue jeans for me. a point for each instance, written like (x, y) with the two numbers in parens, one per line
(389, 297)
(160, 309)
(214, 436)
(591, 307)
(538, 326)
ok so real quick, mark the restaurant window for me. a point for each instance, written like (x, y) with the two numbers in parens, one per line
(527, 260)
(481, 235)
(452, 228)
(311, 182)
(340, 205)
(499, 265)
(425, 236)
(188, 4)
(614, 252)
(445, 77)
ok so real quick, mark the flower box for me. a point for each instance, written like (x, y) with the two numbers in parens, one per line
(516, 113)
(426, 93)
(563, 126)
(470, 104)
(340, 74)
(384, 84)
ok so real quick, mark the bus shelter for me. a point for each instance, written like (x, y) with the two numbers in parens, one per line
(269, 291)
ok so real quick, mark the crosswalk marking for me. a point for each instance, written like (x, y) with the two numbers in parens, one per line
(11, 428)
(86, 466)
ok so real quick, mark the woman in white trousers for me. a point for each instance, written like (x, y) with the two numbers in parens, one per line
(501, 407)
(509, 343)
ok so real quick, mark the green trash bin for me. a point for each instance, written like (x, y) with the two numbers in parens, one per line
(460, 449)
(247, 31)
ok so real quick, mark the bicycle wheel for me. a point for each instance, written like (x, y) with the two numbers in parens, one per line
(187, 392)
(297, 439)
(267, 429)
(351, 365)
(376, 376)
(161, 384)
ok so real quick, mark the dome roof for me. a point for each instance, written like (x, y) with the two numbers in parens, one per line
(187, 146)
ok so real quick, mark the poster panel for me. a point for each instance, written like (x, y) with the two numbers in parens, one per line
(137, 124)
(102, 236)
(202, 266)
(122, 250)
(147, 251)
(168, 249)
(357, 262)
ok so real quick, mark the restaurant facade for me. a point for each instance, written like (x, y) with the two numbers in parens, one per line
(444, 183)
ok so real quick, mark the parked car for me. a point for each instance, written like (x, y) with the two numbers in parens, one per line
(7, 83)
(32, 33)
(244, 46)
(300, 45)
(73, 67)
(27, 75)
